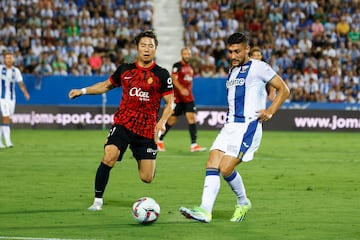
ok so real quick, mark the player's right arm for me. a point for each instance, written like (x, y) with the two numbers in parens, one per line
(177, 85)
(97, 88)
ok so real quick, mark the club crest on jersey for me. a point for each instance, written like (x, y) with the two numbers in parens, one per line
(243, 69)
(150, 80)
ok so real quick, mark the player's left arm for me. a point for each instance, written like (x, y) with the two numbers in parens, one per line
(167, 111)
(24, 90)
(283, 93)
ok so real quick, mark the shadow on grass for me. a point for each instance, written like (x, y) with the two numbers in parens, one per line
(99, 226)
(41, 211)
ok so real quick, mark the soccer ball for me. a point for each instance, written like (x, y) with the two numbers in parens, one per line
(145, 210)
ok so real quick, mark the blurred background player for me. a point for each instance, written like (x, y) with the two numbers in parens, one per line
(10, 75)
(144, 84)
(255, 53)
(183, 75)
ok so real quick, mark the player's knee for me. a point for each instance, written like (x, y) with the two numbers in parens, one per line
(109, 161)
(111, 155)
(226, 170)
(147, 179)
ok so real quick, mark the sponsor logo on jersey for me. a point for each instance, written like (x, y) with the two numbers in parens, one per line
(235, 82)
(138, 92)
(188, 77)
(169, 82)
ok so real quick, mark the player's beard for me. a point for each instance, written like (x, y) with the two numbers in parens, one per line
(186, 60)
(238, 61)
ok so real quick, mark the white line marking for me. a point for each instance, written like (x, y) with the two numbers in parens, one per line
(31, 238)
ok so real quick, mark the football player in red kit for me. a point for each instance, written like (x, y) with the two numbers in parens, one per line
(144, 84)
(182, 75)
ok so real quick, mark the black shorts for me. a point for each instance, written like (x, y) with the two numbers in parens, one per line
(182, 108)
(142, 148)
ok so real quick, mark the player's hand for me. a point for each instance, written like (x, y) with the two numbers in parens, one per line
(74, 93)
(264, 115)
(159, 130)
(27, 96)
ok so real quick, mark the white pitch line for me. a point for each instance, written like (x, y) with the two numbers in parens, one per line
(32, 238)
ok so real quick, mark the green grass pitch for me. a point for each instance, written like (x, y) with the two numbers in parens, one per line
(302, 185)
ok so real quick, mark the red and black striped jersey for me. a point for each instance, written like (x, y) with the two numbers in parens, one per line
(142, 91)
(185, 75)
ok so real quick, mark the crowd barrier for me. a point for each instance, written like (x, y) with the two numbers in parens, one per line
(50, 108)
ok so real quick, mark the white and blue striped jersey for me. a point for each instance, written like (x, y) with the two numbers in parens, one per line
(9, 78)
(246, 91)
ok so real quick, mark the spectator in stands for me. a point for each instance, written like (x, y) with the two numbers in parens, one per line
(324, 88)
(219, 51)
(317, 28)
(83, 68)
(59, 66)
(311, 91)
(305, 45)
(107, 67)
(30, 61)
(72, 29)
(7, 32)
(354, 34)
(310, 8)
(343, 28)
(336, 95)
(208, 67)
(275, 16)
(43, 69)
(48, 21)
(95, 61)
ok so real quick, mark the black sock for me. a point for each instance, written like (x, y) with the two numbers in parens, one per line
(193, 131)
(167, 129)
(101, 179)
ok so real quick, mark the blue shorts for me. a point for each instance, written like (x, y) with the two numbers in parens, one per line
(142, 148)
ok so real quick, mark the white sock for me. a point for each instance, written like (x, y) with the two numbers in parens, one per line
(236, 183)
(6, 132)
(98, 201)
(211, 189)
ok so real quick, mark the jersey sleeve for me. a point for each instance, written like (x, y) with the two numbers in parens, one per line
(265, 71)
(175, 68)
(18, 75)
(166, 82)
(115, 78)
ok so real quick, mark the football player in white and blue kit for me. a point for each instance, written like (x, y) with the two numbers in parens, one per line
(241, 134)
(10, 75)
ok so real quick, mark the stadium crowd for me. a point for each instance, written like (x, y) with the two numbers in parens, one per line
(314, 45)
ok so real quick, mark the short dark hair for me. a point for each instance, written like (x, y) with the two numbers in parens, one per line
(5, 53)
(254, 49)
(148, 33)
(238, 38)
